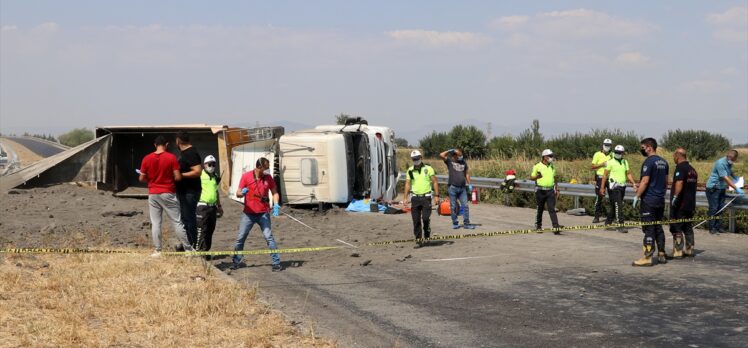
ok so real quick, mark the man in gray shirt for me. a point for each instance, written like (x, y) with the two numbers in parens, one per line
(459, 186)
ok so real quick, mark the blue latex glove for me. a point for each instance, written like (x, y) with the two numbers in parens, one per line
(244, 191)
(636, 201)
(740, 191)
(470, 187)
(276, 209)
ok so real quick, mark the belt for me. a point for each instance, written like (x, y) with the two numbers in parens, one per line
(421, 195)
(543, 188)
(207, 204)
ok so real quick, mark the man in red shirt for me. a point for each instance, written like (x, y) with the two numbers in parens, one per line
(160, 170)
(254, 186)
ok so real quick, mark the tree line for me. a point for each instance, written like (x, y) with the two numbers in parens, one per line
(530, 142)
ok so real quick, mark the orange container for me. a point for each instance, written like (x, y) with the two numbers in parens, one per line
(444, 208)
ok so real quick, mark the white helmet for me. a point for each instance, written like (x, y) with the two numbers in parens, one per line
(607, 142)
(415, 154)
(619, 148)
(209, 159)
(547, 152)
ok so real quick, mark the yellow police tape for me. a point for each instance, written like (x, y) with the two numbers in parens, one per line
(560, 229)
(383, 243)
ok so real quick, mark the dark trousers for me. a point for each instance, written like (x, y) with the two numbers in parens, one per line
(420, 211)
(615, 196)
(599, 198)
(188, 207)
(543, 198)
(206, 225)
(683, 229)
(716, 199)
(652, 233)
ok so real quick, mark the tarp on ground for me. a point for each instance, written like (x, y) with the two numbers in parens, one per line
(363, 206)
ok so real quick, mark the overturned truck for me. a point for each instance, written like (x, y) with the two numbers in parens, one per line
(327, 164)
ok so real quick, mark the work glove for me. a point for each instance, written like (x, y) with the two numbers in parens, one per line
(739, 191)
(244, 191)
(470, 187)
(276, 209)
(636, 201)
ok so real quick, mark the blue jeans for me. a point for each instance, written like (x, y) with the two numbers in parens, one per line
(716, 199)
(455, 193)
(245, 225)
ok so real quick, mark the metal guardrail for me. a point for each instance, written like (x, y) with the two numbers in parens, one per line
(584, 190)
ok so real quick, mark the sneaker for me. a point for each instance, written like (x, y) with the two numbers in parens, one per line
(179, 248)
(236, 265)
(455, 226)
(596, 220)
(277, 268)
(156, 254)
(714, 232)
(623, 230)
(469, 227)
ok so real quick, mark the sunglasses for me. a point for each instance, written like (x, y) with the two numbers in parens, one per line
(210, 165)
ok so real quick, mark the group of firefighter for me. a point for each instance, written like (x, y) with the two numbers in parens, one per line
(612, 175)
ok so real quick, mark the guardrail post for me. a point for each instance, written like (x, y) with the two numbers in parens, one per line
(576, 202)
(732, 219)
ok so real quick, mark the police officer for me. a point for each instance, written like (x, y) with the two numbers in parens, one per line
(651, 192)
(683, 204)
(599, 160)
(422, 188)
(209, 206)
(616, 172)
(546, 189)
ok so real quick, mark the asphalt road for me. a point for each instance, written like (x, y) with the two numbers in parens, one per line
(541, 290)
(38, 147)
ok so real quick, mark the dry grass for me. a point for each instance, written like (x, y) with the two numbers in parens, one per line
(132, 300)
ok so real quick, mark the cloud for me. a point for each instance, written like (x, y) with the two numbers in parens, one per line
(6, 28)
(731, 25)
(577, 24)
(631, 58)
(737, 16)
(704, 86)
(49, 27)
(509, 22)
(433, 38)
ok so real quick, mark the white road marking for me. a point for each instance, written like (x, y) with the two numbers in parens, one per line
(461, 258)
(349, 244)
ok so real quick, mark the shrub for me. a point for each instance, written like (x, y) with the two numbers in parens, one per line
(700, 144)
(530, 141)
(76, 137)
(434, 143)
(583, 145)
(502, 146)
(470, 139)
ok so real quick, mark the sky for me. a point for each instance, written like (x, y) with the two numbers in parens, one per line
(415, 66)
